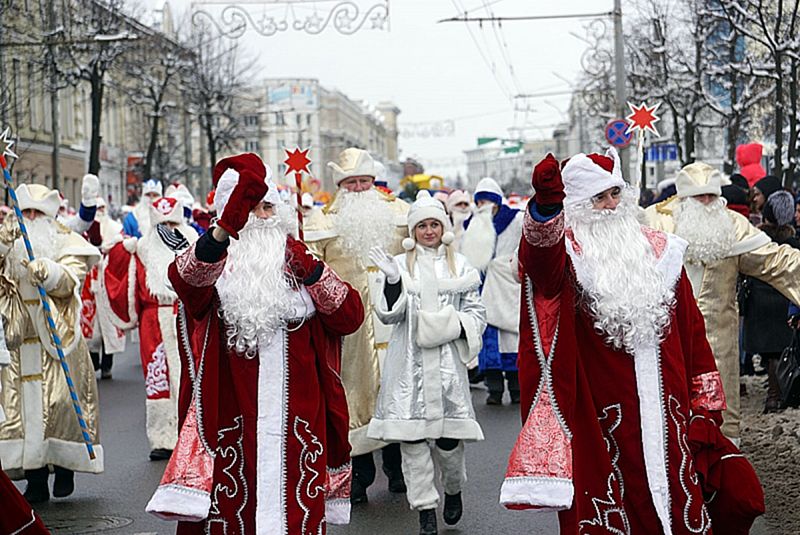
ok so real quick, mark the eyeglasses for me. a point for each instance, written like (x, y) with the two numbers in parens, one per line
(614, 193)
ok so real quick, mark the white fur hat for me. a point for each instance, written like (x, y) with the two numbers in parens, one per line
(426, 207)
(166, 210)
(181, 193)
(38, 197)
(698, 178)
(585, 176)
(152, 186)
(352, 162)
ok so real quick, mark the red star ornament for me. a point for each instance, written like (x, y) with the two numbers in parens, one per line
(297, 161)
(643, 118)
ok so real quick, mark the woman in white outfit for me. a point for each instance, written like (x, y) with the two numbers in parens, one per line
(431, 298)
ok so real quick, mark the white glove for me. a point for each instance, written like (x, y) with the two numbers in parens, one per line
(45, 272)
(129, 244)
(386, 264)
(90, 189)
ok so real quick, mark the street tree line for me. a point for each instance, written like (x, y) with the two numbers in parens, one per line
(166, 81)
(724, 70)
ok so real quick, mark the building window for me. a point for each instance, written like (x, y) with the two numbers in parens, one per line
(299, 120)
(251, 146)
(308, 119)
(251, 120)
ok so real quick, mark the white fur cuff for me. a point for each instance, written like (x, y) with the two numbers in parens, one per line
(337, 511)
(552, 494)
(174, 502)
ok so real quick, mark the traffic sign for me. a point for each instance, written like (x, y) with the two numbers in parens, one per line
(617, 133)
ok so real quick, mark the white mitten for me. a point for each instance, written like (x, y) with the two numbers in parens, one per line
(129, 244)
(385, 263)
(45, 272)
(437, 328)
(90, 189)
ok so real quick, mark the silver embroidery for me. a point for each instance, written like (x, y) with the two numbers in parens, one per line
(236, 482)
(607, 509)
(687, 471)
(310, 484)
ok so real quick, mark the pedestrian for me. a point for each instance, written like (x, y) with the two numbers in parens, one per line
(764, 308)
(263, 446)
(139, 294)
(431, 297)
(40, 429)
(621, 396)
(490, 244)
(359, 217)
(722, 244)
(137, 221)
(103, 337)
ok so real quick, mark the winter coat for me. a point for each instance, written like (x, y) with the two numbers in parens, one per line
(764, 308)
(438, 321)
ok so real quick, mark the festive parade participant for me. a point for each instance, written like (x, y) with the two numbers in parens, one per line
(490, 243)
(263, 445)
(139, 293)
(80, 222)
(181, 193)
(40, 427)
(722, 244)
(358, 218)
(459, 208)
(431, 298)
(137, 222)
(621, 397)
(102, 336)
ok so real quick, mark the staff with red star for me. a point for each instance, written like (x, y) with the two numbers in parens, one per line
(641, 119)
(297, 161)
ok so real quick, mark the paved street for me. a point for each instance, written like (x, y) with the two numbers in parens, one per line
(114, 501)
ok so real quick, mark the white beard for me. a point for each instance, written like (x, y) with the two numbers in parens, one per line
(142, 214)
(254, 291)
(45, 240)
(156, 258)
(363, 220)
(627, 297)
(479, 240)
(708, 229)
(458, 216)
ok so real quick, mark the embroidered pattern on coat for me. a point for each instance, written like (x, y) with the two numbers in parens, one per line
(544, 234)
(156, 381)
(329, 292)
(707, 392)
(311, 485)
(610, 514)
(234, 486)
(695, 515)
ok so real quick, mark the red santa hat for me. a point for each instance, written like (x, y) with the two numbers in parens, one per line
(226, 176)
(585, 175)
(166, 210)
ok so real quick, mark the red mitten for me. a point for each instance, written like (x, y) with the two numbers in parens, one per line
(301, 262)
(546, 180)
(249, 191)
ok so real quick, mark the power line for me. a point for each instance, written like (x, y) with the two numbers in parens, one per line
(604, 14)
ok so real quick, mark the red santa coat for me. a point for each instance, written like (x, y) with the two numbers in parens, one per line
(611, 440)
(263, 446)
(129, 284)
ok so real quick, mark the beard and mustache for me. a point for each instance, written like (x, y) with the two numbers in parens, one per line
(708, 229)
(626, 294)
(255, 293)
(363, 221)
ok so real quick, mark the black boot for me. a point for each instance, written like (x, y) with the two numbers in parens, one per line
(452, 508)
(64, 483)
(358, 492)
(513, 386)
(397, 484)
(36, 491)
(393, 468)
(160, 454)
(427, 522)
(496, 385)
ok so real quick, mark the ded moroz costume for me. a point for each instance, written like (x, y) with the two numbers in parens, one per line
(621, 396)
(721, 245)
(263, 444)
(137, 222)
(40, 427)
(139, 294)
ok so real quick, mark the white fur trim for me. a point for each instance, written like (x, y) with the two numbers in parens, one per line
(361, 443)
(546, 494)
(437, 328)
(270, 433)
(489, 185)
(38, 197)
(317, 235)
(448, 238)
(409, 244)
(583, 179)
(133, 318)
(479, 240)
(175, 502)
(161, 423)
(426, 207)
(337, 511)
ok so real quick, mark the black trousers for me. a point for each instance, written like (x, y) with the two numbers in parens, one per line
(364, 465)
(496, 384)
(102, 361)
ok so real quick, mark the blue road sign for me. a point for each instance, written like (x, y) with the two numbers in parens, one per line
(616, 133)
(662, 153)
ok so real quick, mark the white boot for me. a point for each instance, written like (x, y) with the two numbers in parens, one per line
(419, 474)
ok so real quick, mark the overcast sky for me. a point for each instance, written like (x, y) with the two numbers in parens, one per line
(436, 72)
